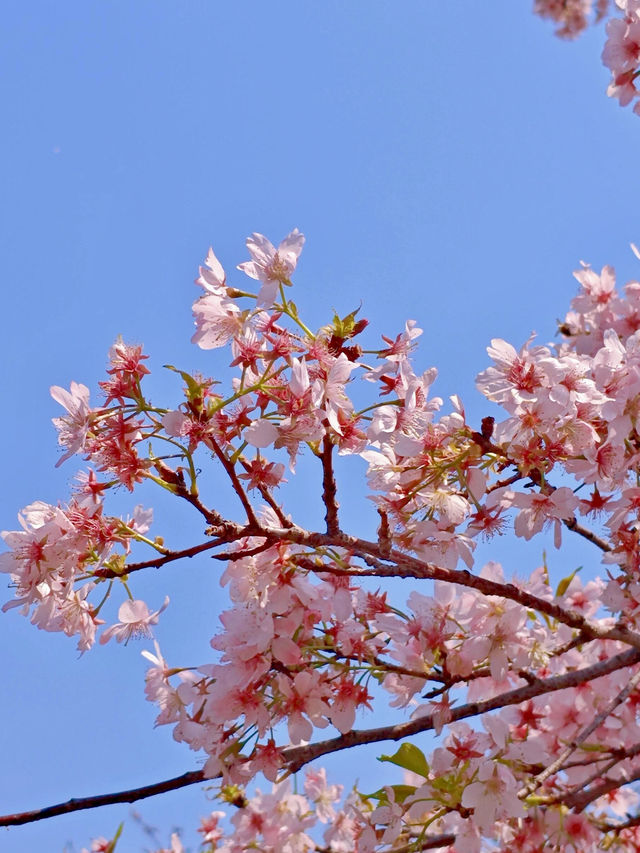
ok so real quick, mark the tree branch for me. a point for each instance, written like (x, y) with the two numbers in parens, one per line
(329, 488)
(81, 803)
(581, 800)
(580, 738)
(398, 564)
(159, 561)
(428, 842)
(297, 757)
(235, 482)
(402, 565)
(589, 535)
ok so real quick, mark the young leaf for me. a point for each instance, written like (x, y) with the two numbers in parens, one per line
(112, 844)
(563, 586)
(409, 757)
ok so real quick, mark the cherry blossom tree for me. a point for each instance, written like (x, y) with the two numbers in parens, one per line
(530, 690)
(621, 52)
(515, 698)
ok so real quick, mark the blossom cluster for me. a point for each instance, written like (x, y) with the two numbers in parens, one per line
(530, 690)
(55, 559)
(621, 54)
(571, 17)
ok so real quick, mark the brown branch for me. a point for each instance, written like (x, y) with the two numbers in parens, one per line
(580, 738)
(431, 842)
(581, 800)
(589, 630)
(329, 488)
(235, 482)
(234, 556)
(211, 516)
(175, 479)
(398, 564)
(574, 525)
(428, 842)
(80, 803)
(567, 647)
(508, 481)
(612, 757)
(571, 524)
(297, 757)
(159, 561)
(377, 663)
(599, 773)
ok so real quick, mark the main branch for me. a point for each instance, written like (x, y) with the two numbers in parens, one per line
(297, 757)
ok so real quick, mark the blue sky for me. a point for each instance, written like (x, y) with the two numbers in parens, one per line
(447, 164)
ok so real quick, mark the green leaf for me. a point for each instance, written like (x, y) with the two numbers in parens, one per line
(344, 327)
(112, 844)
(400, 792)
(563, 586)
(194, 388)
(593, 747)
(409, 757)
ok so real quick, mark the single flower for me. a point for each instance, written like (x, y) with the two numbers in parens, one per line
(272, 266)
(134, 621)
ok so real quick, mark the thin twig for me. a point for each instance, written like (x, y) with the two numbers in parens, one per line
(211, 515)
(574, 525)
(159, 561)
(402, 565)
(80, 803)
(268, 497)
(379, 664)
(557, 765)
(429, 842)
(614, 756)
(581, 800)
(508, 481)
(329, 488)
(234, 556)
(235, 482)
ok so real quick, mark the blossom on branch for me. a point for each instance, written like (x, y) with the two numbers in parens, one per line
(134, 622)
(272, 266)
(529, 687)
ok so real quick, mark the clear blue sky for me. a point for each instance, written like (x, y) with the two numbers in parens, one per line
(450, 162)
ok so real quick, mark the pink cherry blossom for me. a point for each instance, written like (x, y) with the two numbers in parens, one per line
(134, 621)
(540, 510)
(218, 319)
(73, 429)
(570, 16)
(493, 796)
(272, 266)
(212, 276)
